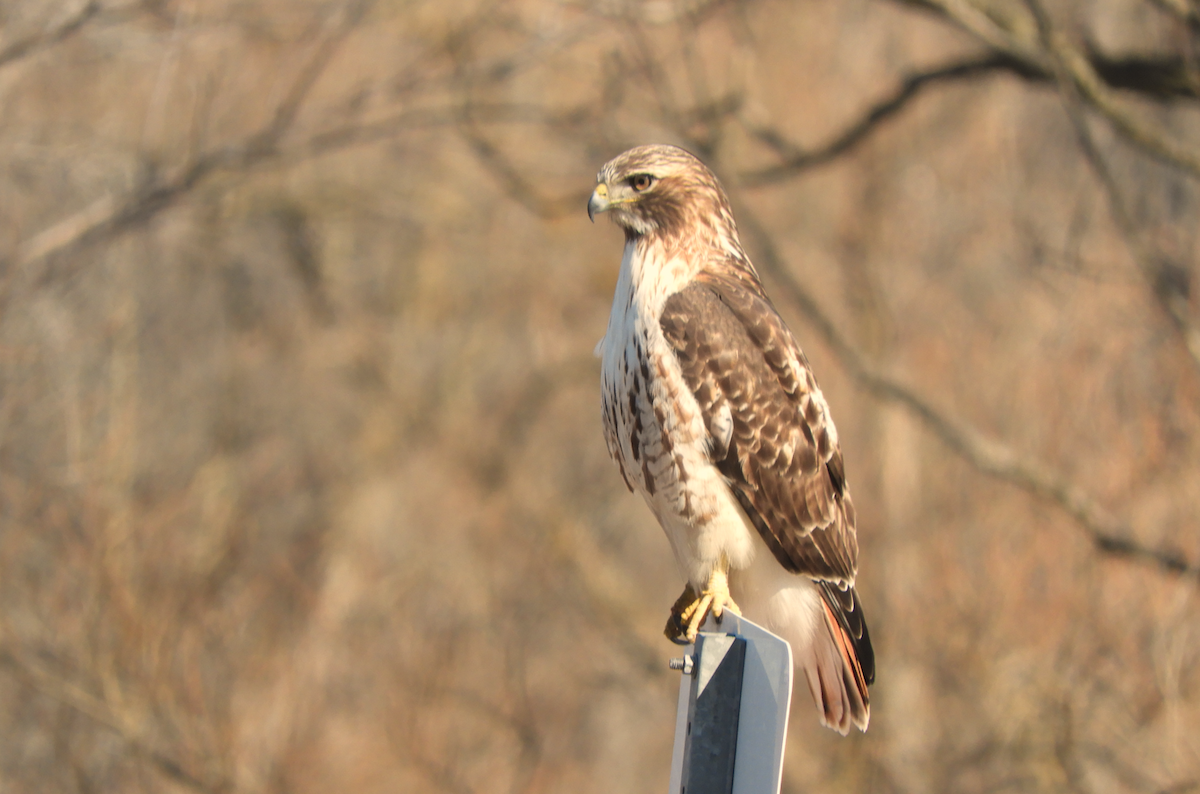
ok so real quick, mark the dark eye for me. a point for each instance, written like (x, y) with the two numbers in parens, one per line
(640, 182)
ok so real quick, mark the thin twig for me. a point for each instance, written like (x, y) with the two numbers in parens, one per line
(796, 159)
(108, 217)
(338, 29)
(1150, 140)
(1044, 56)
(1171, 293)
(516, 186)
(1186, 12)
(1158, 77)
(81, 701)
(23, 47)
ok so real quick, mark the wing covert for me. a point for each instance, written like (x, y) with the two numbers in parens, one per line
(770, 433)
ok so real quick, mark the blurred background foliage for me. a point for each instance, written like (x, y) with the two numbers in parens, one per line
(302, 482)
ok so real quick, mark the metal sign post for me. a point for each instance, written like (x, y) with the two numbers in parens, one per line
(731, 722)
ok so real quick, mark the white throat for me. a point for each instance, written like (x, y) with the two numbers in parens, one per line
(648, 276)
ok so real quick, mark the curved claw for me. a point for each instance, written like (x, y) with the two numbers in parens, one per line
(690, 610)
(676, 626)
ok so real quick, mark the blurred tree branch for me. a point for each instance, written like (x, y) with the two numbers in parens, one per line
(78, 699)
(1166, 77)
(1131, 774)
(1169, 282)
(1017, 37)
(1183, 10)
(336, 28)
(516, 186)
(108, 216)
(39, 41)
(795, 159)
(1159, 77)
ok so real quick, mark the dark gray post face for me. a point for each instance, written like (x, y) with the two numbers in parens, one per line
(763, 662)
(716, 701)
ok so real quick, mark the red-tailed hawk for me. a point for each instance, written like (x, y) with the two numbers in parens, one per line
(712, 413)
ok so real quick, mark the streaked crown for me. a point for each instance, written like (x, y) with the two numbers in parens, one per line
(663, 191)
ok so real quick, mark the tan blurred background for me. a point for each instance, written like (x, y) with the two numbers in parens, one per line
(302, 481)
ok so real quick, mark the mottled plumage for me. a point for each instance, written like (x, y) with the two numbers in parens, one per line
(712, 413)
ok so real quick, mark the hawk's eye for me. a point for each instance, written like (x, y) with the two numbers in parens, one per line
(640, 182)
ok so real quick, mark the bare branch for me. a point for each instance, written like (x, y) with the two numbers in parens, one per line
(796, 159)
(985, 27)
(1186, 12)
(338, 28)
(1166, 77)
(1041, 56)
(516, 186)
(1159, 77)
(1108, 533)
(1130, 773)
(1168, 282)
(107, 216)
(1153, 142)
(78, 699)
(23, 47)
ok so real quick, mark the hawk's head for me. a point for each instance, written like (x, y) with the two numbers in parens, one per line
(659, 190)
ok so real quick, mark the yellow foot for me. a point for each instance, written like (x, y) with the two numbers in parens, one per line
(689, 611)
(676, 627)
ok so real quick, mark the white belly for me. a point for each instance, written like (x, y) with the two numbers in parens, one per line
(718, 530)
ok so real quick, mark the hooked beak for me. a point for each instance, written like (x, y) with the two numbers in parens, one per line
(598, 202)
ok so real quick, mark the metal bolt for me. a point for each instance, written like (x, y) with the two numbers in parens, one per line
(685, 663)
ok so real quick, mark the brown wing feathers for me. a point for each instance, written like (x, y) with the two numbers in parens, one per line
(734, 351)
